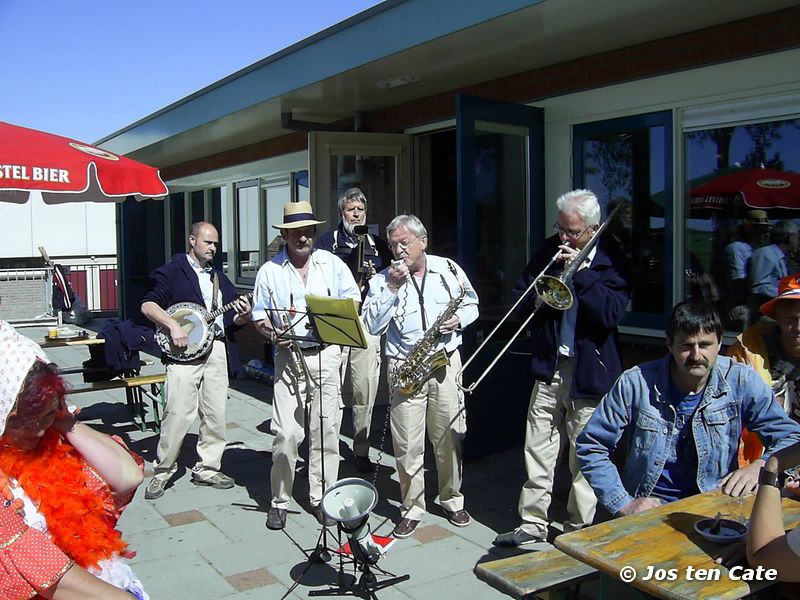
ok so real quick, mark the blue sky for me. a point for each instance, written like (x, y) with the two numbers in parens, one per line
(87, 68)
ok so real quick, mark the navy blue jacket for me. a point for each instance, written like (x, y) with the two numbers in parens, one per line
(377, 251)
(602, 293)
(176, 282)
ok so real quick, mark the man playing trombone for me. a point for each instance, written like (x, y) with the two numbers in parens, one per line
(279, 308)
(575, 361)
(422, 302)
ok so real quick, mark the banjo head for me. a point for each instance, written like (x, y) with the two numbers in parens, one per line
(191, 318)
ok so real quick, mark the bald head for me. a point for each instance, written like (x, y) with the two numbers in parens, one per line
(203, 242)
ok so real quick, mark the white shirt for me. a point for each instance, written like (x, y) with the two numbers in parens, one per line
(399, 315)
(279, 287)
(566, 333)
(207, 289)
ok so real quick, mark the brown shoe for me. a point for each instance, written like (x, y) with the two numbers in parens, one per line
(405, 528)
(459, 518)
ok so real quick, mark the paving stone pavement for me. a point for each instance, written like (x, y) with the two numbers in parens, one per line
(202, 543)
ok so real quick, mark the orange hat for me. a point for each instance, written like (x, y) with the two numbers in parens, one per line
(788, 289)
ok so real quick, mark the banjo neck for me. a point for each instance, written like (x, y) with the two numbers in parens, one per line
(226, 307)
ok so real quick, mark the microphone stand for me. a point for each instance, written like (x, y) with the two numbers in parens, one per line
(321, 553)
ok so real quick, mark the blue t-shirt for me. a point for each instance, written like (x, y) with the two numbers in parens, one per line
(679, 477)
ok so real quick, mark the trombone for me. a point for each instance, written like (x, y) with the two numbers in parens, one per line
(550, 290)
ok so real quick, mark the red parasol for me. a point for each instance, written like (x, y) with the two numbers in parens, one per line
(758, 188)
(65, 170)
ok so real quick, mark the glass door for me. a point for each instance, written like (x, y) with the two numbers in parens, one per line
(378, 164)
(499, 225)
(628, 162)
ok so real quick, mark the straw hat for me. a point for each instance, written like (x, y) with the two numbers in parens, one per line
(17, 355)
(788, 289)
(296, 215)
(756, 217)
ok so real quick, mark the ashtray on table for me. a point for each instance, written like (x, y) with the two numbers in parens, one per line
(726, 531)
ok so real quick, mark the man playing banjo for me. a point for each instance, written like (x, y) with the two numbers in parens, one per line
(199, 386)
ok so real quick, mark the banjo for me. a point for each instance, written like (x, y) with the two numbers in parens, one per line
(198, 323)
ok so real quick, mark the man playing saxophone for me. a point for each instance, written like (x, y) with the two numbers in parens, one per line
(575, 361)
(420, 291)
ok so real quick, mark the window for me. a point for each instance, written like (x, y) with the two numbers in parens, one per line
(177, 220)
(198, 206)
(217, 218)
(628, 162)
(743, 214)
(248, 246)
(301, 191)
(275, 195)
(259, 206)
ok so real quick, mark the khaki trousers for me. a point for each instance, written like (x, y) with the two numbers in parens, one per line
(195, 388)
(439, 408)
(292, 411)
(365, 370)
(551, 411)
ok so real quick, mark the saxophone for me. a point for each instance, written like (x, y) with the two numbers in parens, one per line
(422, 361)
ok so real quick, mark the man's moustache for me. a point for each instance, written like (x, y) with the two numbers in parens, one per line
(703, 363)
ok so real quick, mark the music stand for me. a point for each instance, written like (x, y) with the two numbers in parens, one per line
(332, 321)
(336, 321)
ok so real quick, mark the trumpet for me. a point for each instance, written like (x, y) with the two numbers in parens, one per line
(298, 359)
(552, 291)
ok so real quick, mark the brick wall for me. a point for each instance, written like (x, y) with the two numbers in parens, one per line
(22, 299)
(762, 34)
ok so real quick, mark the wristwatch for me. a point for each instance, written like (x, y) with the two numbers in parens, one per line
(772, 478)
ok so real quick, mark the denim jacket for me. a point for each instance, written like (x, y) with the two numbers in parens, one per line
(634, 423)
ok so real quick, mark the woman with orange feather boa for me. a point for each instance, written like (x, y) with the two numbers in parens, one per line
(63, 486)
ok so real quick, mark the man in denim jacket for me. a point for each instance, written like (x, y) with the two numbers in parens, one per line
(675, 423)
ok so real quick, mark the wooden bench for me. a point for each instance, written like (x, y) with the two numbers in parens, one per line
(136, 388)
(550, 572)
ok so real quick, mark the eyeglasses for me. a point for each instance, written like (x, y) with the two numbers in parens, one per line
(569, 232)
(402, 245)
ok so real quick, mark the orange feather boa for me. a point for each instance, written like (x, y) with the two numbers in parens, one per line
(53, 476)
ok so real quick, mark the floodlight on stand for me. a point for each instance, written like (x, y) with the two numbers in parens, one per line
(349, 503)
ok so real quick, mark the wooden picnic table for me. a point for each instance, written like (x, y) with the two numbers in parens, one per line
(48, 342)
(137, 387)
(665, 538)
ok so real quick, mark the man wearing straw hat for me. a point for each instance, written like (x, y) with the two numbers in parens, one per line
(279, 307)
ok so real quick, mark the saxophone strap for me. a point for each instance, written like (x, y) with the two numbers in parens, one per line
(421, 290)
(421, 293)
